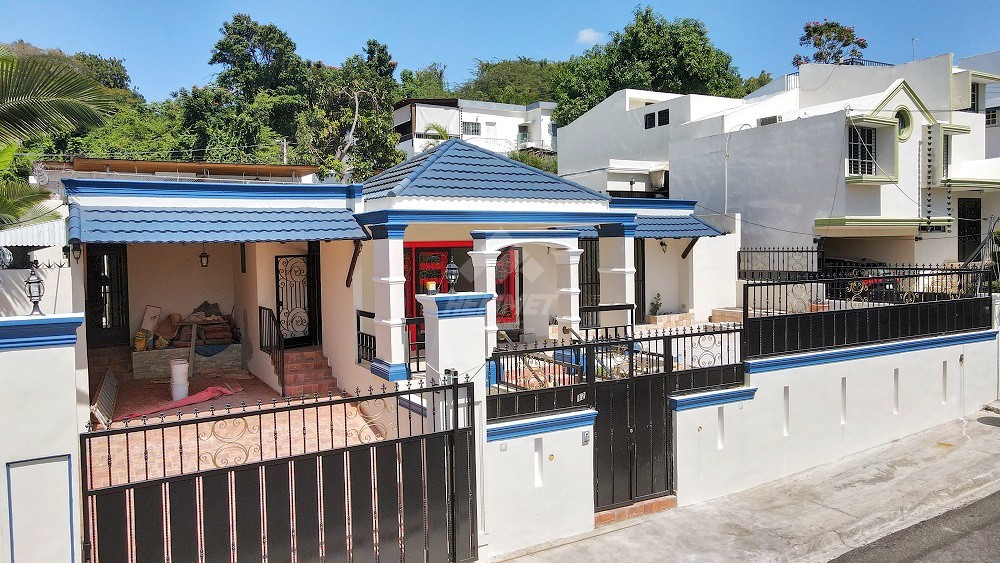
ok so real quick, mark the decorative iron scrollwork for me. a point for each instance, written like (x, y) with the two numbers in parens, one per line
(230, 432)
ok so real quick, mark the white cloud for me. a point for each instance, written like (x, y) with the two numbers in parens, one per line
(589, 36)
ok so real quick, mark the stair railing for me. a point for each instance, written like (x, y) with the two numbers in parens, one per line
(272, 342)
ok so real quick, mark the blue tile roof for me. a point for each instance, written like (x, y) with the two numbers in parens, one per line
(89, 223)
(456, 168)
(669, 226)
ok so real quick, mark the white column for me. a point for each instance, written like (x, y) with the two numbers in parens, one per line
(455, 336)
(390, 303)
(484, 264)
(617, 271)
(567, 289)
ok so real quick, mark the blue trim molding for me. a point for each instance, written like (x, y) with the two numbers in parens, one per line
(539, 425)
(388, 231)
(697, 401)
(458, 305)
(536, 234)
(411, 216)
(18, 333)
(651, 203)
(216, 190)
(391, 372)
(860, 352)
(617, 230)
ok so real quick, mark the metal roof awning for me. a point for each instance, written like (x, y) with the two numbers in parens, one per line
(667, 226)
(48, 233)
(111, 224)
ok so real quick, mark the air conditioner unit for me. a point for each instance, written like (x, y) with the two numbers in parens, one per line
(769, 120)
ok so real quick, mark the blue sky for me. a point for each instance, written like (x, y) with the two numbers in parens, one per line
(166, 45)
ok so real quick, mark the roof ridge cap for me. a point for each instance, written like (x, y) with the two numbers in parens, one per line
(433, 156)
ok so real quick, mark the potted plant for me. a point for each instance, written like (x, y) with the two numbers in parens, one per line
(654, 309)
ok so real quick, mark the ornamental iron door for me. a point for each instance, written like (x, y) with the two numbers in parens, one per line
(293, 299)
(970, 228)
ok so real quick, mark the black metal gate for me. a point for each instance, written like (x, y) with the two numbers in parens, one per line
(383, 477)
(633, 453)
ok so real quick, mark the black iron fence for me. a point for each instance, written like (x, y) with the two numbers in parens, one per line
(525, 379)
(796, 316)
(778, 263)
(416, 349)
(386, 475)
(272, 342)
(605, 320)
(365, 335)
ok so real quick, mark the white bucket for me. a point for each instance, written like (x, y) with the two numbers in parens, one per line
(179, 372)
(178, 391)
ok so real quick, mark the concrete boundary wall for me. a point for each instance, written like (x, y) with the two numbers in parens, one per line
(823, 407)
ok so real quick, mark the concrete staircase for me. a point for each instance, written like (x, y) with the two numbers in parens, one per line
(307, 371)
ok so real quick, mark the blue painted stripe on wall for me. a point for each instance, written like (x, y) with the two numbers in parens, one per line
(536, 234)
(533, 426)
(39, 332)
(688, 402)
(861, 352)
(413, 216)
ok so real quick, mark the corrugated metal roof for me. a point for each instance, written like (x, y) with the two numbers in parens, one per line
(164, 224)
(49, 233)
(456, 168)
(667, 226)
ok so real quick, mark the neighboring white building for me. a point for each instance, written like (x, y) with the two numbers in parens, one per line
(990, 101)
(498, 127)
(867, 158)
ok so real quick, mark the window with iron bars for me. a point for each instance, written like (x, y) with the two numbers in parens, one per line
(471, 128)
(945, 154)
(991, 117)
(650, 120)
(975, 97)
(861, 151)
(663, 117)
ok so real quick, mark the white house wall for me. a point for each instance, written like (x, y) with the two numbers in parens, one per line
(765, 185)
(58, 297)
(758, 442)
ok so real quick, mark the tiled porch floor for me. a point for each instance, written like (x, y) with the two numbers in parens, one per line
(142, 394)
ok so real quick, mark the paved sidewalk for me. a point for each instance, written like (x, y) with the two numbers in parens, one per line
(815, 515)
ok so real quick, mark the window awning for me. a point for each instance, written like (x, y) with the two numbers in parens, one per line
(111, 224)
(666, 226)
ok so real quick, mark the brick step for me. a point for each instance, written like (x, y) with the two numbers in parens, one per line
(308, 376)
(305, 365)
(322, 386)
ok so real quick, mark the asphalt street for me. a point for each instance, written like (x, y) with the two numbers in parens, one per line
(967, 534)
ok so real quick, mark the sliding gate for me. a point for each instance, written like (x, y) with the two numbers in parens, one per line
(383, 477)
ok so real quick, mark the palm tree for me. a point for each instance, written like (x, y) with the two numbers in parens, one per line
(440, 133)
(40, 96)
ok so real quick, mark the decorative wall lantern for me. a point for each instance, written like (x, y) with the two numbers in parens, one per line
(451, 274)
(663, 246)
(34, 287)
(77, 252)
(203, 256)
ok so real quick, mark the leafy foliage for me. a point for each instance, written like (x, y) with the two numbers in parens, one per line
(829, 41)
(40, 96)
(109, 72)
(547, 163)
(651, 53)
(427, 83)
(753, 83)
(519, 81)
(22, 203)
(256, 57)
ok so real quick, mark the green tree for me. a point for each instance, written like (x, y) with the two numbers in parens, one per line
(347, 130)
(519, 81)
(110, 72)
(830, 41)
(425, 83)
(137, 131)
(256, 57)
(754, 83)
(650, 53)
